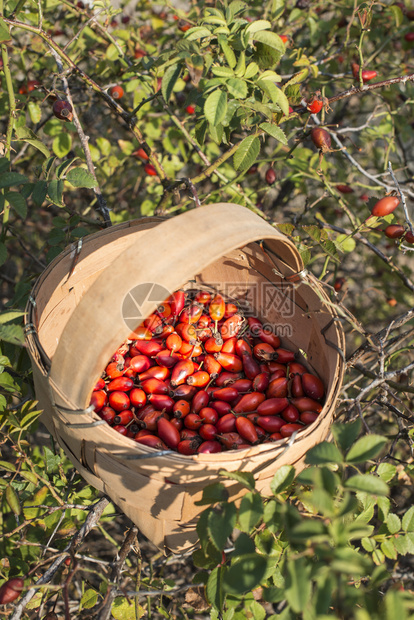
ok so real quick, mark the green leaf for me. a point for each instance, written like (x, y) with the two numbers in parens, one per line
(17, 202)
(389, 550)
(213, 493)
(251, 70)
(215, 107)
(220, 524)
(13, 500)
(237, 87)
(298, 584)
(4, 31)
(393, 523)
(64, 166)
(386, 471)
(79, 177)
(282, 479)
(169, 80)
(51, 460)
(214, 588)
(324, 452)
(62, 144)
(225, 72)
(367, 483)
(250, 511)
(10, 179)
(7, 466)
(408, 520)
(245, 574)
(247, 153)
(345, 243)
(397, 13)
(35, 112)
(245, 478)
(89, 599)
(346, 434)
(275, 132)
(227, 51)
(55, 191)
(257, 25)
(24, 134)
(275, 94)
(13, 334)
(271, 39)
(124, 609)
(3, 253)
(366, 448)
(29, 476)
(198, 32)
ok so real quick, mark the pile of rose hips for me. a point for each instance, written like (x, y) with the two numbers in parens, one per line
(199, 377)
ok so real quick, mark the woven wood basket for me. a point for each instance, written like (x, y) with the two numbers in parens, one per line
(75, 322)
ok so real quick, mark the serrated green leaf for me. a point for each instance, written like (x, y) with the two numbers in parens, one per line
(11, 179)
(7, 466)
(393, 523)
(55, 191)
(4, 31)
(237, 87)
(124, 609)
(227, 51)
(215, 107)
(250, 511)
(366, 448)
(79, 177)
(408, 520)
(18, 202)
(367, 483)
(225, 72)
(198, 32)
(62, 144)
(275, 94)
(324, 452)
(346, 434)
(220, 524)
(274, 131)
(251, 70)
(39, 193)
(282, 479)
(214, 588)
(397, 13)
(247, 153)
(389, 550)
(245, 478)
(271, 39)
(89, 599)
(169, 80)
(24, 134)
(245, 574)
(13, 500)
(29, 476)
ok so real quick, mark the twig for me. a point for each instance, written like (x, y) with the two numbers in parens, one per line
(402, 197)
(90, 522)
(103, 207)
(130, 540)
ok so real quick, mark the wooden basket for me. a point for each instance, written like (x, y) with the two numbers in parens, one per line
(75, 323)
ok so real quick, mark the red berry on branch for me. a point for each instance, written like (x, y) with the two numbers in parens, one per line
(409, 37)
(394, 231)
(150, 170)
(270, 176)
(140, 153)
(338, 284)
(315, 105)
(385, 206)
(139, 53)
(32, 85)
(190, 109)
(116, 92)
(11, 590)
(409, 237)
(63, 110)
(344, 189)
(321, 138)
